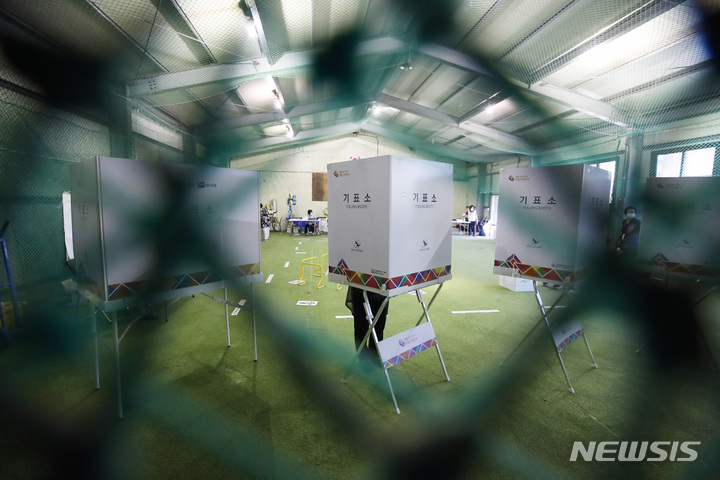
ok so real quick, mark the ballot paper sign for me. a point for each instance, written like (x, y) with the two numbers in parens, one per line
(680, 229)
(551, 221)
(162, 229)
(390, 229)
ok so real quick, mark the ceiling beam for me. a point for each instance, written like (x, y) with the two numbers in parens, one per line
(595, 108)
(279, 115)
(420, 144)
(497, 139)
(177, 20)
(291, 64)
(575, 101)
(318, 134)
(491, 137)
(415, 109)
(302, 138)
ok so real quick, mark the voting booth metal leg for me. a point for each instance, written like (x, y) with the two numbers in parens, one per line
(93, 319)
(545, 313)
(252, 299)
(372, 321)
(426, 315)
(227, 317)
(237, 305)
(118, 379)
(532, 330)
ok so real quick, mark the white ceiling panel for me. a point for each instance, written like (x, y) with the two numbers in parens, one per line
(572, 69)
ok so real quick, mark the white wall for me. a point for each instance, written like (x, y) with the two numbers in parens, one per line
(289, 171)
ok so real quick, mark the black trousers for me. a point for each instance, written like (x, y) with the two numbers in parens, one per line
(359, 318)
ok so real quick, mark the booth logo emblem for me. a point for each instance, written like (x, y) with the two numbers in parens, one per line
(517, 178)
(401, 343)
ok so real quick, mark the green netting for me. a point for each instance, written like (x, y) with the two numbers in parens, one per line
(673, 130)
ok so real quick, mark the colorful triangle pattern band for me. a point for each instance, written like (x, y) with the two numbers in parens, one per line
(376, 281)
(543, 273)
(661, 260)
(174, 282)
(409, 353)
(569, 339)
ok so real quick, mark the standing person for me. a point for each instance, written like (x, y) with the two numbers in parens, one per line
(627, 242)
(355, 302)
(265, 222)
(472, 217)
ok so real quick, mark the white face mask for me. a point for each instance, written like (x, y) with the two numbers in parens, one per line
(630, 215)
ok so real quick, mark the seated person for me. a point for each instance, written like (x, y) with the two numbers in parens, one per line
(309, 226)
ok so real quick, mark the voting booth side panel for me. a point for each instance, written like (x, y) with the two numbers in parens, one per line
(86, 232)
(680, 228)
(171, 230)
(420, 228)
(359, 230)
(538, 218)
(594, 211)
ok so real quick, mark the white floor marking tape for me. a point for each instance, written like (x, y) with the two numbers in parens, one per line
(287, 264)
(301, 253)
(297, 248)
(343, 316)
(236, 311)
(269, 279)
(477, 311)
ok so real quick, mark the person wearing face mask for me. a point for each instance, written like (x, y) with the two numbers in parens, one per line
(627, 243)
(472, 217)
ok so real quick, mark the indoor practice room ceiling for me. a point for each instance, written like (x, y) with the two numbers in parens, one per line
(472, 80)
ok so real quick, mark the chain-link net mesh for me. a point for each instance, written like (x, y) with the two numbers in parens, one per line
(39, 142)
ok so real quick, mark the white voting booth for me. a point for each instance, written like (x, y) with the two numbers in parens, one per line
(680, 230)
(391, 235)
(551, 227)
(118, 206)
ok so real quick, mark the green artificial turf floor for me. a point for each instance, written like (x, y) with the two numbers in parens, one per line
(195, 408)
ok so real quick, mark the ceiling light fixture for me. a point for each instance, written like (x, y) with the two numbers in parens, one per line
(407, 65)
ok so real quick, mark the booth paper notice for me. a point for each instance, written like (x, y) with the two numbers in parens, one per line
(409, 343)
(567, 332)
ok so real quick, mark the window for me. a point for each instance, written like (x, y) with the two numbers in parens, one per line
(688, 163)
(610, 167)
